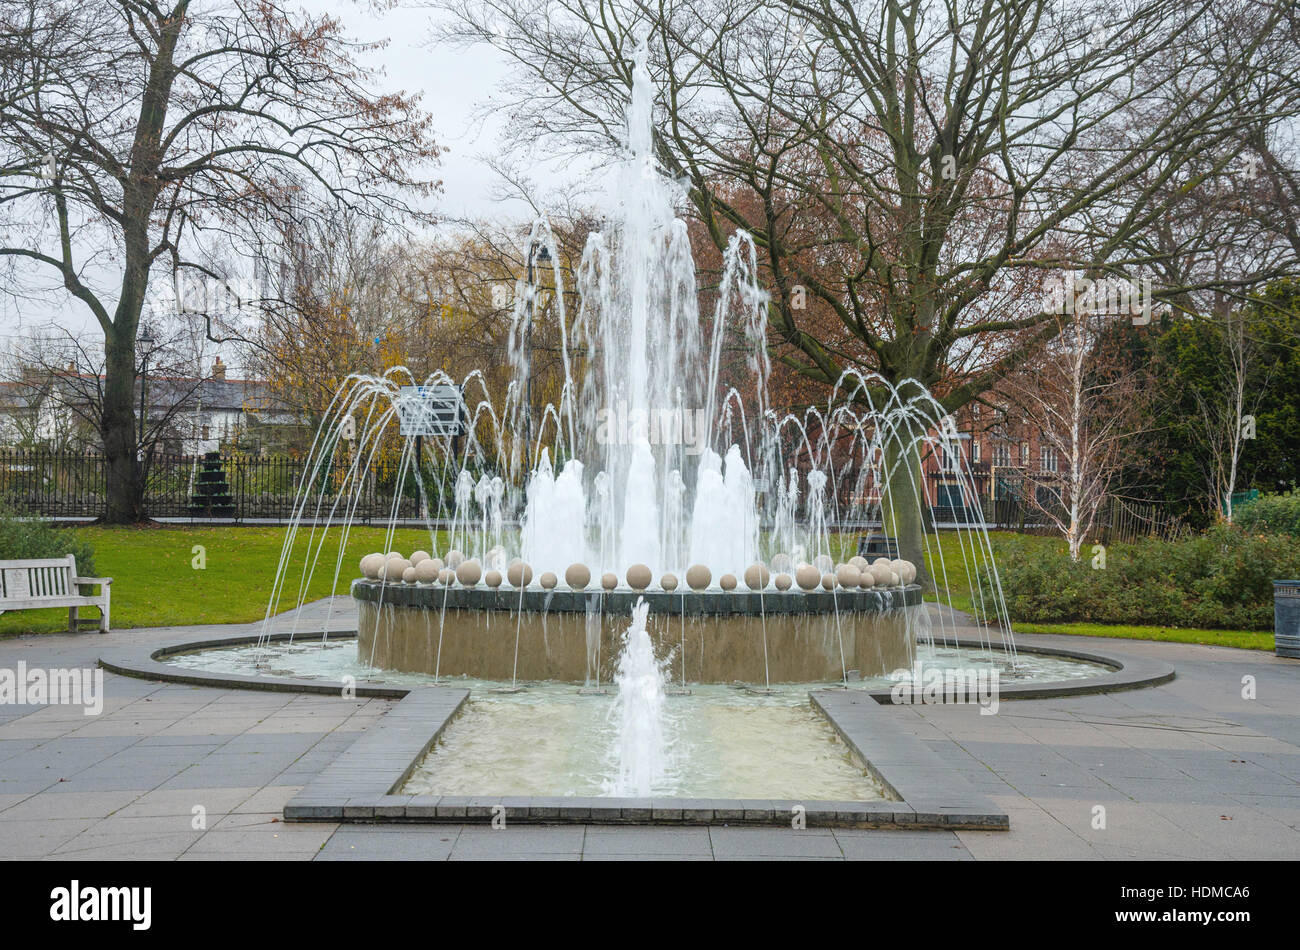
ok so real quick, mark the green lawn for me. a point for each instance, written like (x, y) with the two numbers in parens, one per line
(156, 582)
(1243, 639)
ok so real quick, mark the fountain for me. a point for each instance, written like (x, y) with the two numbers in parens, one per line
(658, 488)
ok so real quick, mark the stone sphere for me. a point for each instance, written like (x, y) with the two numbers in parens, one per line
(609, 580)
(859, 562)
(454, 558)
(880, 574)
(879, 561)
(437, 565)
(668, 582)
(807, 577)
(548, 580)
(392, 554)
(727, 581)
(781, 563)
(577, 576)
(418, 556)
(757, 576)
(409, 576)
(866, 579)
(828, 581)
(370, 565)
(894, 579)
(639, 577)
(824, 563)
(426, 572)
(469, 572)
(446, 577)
(393, 569)
(848, 576)
(492, 578)
(698, 577)
(908, 571)
(783, 581)
(519, 574)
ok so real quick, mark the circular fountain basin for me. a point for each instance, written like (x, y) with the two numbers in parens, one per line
(790, 636)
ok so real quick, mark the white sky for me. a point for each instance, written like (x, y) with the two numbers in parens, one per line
(453, 84)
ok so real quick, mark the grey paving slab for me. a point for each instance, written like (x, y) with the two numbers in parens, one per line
(1185, 769)
(772, 842)
(901, 846)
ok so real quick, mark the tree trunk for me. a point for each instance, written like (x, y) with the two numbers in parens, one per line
(906, 507)
(123, 472)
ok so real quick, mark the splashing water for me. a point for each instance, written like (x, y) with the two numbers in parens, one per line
(649, 454)
(641, 746)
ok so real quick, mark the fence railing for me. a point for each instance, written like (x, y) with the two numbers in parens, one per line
(72, 485)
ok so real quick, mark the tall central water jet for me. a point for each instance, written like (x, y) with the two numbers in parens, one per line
(652, 377)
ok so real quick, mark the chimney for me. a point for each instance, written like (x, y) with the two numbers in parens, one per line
(219, 370)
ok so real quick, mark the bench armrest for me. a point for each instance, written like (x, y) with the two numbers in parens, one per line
(105, 581)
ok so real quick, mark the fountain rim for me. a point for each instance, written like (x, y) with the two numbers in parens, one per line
(708, 602)
(146, 661)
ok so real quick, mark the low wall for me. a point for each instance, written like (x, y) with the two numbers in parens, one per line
(575, 636)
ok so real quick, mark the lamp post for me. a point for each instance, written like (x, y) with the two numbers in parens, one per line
(540, 254)
(146, 339)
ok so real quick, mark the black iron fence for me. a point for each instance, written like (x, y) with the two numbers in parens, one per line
(258, 488)
(71, 485)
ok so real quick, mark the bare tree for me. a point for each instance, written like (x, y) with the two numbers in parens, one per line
(60, 377)
(1225, 415)
(178, 129)
(1087, 412)
(915, 166)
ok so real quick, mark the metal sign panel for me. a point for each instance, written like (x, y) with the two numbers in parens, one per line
(431, 410)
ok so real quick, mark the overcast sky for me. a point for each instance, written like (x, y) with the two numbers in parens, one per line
(453, 84)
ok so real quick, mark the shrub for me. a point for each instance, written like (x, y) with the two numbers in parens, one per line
(1271, 514)
(23, 537)
(1221, 579)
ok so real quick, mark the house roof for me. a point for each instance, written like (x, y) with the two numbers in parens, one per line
(232, 395)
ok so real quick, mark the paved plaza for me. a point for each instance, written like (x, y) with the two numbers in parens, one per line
(1192, 769)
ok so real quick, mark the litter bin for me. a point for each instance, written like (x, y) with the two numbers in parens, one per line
(1286, 618)
(878, 545)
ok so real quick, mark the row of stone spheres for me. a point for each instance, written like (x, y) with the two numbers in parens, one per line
(422, 568)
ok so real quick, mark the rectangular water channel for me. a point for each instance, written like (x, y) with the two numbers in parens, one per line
(717, 742)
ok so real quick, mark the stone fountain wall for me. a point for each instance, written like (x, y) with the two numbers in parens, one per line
(573, 636)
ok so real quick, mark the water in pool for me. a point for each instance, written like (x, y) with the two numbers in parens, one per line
(553, 739)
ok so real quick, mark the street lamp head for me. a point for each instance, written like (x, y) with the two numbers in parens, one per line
(543, 254)
(145, 336)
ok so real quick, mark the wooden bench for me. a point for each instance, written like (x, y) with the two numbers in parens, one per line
(52, 582)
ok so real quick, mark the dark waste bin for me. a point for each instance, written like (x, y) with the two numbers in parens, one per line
(878, 545)
(1286, 618)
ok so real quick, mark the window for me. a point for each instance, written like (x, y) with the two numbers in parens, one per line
(1001, 454)
(1048, 457)
(948, 495)
(207, 430)
(1024, 453)
(975, 452)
